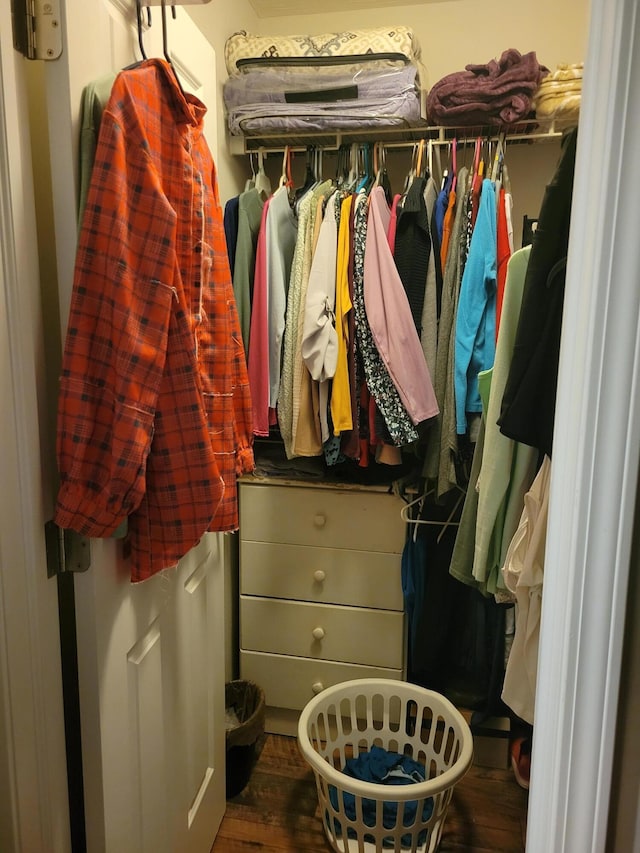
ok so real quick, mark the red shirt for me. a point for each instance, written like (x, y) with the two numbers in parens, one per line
(154, 418)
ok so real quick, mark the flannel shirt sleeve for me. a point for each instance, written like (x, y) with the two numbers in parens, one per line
(116, 338)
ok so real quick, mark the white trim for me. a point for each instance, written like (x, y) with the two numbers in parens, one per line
(595, 457)
(33, 770)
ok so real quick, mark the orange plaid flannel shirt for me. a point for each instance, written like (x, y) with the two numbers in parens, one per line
(154, 416)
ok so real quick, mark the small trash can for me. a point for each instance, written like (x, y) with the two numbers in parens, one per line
(244, 724)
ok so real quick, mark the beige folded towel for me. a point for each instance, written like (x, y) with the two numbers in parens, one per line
(560, 93)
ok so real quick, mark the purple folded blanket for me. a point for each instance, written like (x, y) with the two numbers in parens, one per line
(498, 93)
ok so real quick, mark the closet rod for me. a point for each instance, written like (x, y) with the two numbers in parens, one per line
(438, 136)
(469, 140)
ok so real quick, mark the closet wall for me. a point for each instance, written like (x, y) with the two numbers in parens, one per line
(217, 21)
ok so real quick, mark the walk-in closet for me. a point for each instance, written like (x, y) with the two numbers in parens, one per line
(322, 351)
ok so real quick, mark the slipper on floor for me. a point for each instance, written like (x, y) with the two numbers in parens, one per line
(521, 761)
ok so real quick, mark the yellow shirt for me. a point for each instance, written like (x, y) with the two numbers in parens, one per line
(340, 390)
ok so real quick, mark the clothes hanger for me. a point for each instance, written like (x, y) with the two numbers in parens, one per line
(499, 164)
(262, 184)
(380, 169)
(420, 156)
(506, 182)
(285, 176)
(165, 40)
(454, 164)
(139, 25)
(405, 514)
(476, 156)
(251, 182)
(318, 169)
(412, 170)
(366, 176)
(352, 176)
(310, 176)
(342, 165)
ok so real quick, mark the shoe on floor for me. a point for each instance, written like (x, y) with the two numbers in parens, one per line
(521, 761)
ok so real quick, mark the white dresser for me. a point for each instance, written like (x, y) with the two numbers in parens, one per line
(320, 590)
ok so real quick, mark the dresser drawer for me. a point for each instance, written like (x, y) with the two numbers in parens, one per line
(332, 518)
(290, 682)
(349, 634)
(327, 575)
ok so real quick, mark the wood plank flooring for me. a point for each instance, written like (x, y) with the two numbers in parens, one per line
(278, 810)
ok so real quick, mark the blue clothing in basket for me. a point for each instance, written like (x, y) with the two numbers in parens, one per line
(384, 768)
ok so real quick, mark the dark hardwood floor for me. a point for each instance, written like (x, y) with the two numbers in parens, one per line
(278, 810)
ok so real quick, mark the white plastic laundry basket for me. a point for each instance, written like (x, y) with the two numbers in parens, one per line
(350, 718)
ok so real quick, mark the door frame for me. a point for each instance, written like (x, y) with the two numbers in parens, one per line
(592, 490)
(34, 805)
(595, 456)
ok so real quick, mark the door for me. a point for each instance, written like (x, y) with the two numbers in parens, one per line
(33, 778)
(150, 655)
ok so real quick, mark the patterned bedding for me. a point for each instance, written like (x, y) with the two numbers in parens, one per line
(243, 46)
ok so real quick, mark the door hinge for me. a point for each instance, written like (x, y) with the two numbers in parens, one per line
(67, 551)
(36, 28)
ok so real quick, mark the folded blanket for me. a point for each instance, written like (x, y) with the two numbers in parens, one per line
(402, 110)
(560, 93)
(495, 94)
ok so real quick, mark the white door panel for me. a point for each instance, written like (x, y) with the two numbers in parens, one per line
(150, 655)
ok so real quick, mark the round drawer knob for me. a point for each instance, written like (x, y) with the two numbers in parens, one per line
(318, 633)
(320, 520)
(317, 687)
(319, 575)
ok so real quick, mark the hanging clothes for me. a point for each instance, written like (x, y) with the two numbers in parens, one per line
(447, 225)
(413, 249)
(231, 219)
(504, 238)
(340, 392)
(285, 394)
(529, 401)
(282, 231)
(290, 379)
(433, 598)
(306, 437)
(508, 467)
(523, 575)
(250, 206)
(390, 319)
(95, 97)
(432, 290)
(442, 446)
(154, 417)
(258, 359)
(393, 222)
(350, 439)
(319, 336)
(476, 316)
(379, 383)
(440, 209)
(461, 566)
